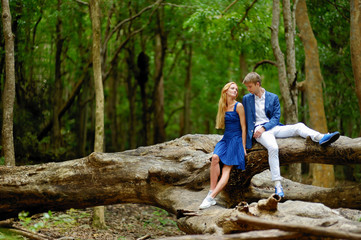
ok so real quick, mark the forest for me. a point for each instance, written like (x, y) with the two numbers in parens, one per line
(108, 76)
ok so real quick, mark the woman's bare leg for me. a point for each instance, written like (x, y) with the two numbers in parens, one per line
(226, 170)
(214, 171)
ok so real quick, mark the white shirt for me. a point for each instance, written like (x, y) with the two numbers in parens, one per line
(260, 109)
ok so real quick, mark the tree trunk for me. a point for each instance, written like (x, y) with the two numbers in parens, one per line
(355, 45)
(8, 97)
(175, 176)
(58, 91)
(158, 96)
(286, 72)
(288, 16)
(290, 109)
(83, 98)
(187, 92)
(82, 119)
(143, 66)
(323, 175)
(131, 94)
(112, 111)
(98, 215)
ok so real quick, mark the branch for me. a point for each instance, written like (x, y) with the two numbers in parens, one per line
(174, 61)
(180, 6)
(230, 5)
(114, 59)
(264, 62)
(28, 234)
(119, 25)
(311, 230)
(82, 2)
(171, 115)
(244, 16)
(48, 125)
(338, 10)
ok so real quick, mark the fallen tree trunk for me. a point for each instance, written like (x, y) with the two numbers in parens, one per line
(172, 175)
(343, 196)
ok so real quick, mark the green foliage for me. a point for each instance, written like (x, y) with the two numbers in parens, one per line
(159, 219)
(49, 220)
(28, 223)
(5, 234)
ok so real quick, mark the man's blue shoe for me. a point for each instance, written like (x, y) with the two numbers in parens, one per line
(329, 138)
(279, 191)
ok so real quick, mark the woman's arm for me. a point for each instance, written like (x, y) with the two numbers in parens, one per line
(242, 118)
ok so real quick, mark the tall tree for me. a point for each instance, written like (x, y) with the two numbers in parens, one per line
(187, 90)
(9, 88)
(58, 91)
(355, 42)
(131, 87)
(98, 216)
(323, 175)
(143, 66)
(158, 96)
(286, 70)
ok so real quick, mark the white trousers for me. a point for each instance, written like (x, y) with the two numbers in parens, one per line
(268, 140)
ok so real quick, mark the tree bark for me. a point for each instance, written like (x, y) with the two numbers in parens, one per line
(98, 215)
(286, 72)
(288, 16)
(290, 110)
(323, 175)
(8, 97)
(355, 45)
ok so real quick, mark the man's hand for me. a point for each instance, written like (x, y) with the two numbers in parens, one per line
(259, 132)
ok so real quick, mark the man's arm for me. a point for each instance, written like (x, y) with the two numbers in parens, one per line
(273, 113)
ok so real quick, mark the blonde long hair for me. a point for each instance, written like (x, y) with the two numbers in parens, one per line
(222, 106)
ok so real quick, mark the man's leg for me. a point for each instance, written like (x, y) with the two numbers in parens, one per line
(268, 140)
(294, 130)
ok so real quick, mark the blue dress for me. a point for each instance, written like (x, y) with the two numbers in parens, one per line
(230, 148)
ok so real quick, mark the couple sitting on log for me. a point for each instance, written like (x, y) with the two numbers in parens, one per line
(259, 113)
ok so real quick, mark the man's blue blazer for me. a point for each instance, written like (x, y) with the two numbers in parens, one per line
(273, 112)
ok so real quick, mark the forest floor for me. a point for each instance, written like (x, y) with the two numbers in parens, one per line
(124, 221)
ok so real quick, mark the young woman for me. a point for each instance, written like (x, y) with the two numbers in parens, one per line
(231, 150)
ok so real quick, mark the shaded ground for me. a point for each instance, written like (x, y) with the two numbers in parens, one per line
(124, 221)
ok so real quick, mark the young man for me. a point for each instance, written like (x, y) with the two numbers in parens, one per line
(263, 113)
